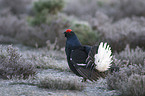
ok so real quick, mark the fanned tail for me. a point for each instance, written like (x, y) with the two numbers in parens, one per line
(103, 58)
(99, 57)
(99, 61)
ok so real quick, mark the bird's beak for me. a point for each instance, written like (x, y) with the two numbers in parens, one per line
(64, 34)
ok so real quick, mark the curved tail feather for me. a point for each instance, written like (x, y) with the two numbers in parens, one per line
(92, 75)
(103, 58)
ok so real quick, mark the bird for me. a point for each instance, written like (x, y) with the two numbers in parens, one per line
(89, 62)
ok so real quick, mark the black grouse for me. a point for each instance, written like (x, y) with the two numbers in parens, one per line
(85, 61)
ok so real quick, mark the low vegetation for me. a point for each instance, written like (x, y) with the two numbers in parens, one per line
(61, 83)
(13, 65)
(41, 23)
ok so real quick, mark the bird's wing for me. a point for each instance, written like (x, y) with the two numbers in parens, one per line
(92, 75)
(78, 56)
(90, 59)
(78, 59)
(87, 48)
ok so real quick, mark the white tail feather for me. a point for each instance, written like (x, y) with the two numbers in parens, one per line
(103, 59)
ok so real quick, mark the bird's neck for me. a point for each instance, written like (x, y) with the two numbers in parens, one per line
(73, 41)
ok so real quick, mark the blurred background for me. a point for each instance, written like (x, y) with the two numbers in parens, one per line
(40, 23)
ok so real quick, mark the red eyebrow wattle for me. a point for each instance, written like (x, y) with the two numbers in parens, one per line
(68, 30)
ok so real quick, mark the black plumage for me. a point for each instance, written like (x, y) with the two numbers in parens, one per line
(81, 58)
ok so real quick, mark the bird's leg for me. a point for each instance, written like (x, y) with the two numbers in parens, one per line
(84, 80)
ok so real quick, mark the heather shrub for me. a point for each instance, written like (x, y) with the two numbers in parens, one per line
(14, 30)
(81, 8)
(98, 20)
(125, 8)
(54, 32)
(126, 31)
(85, 33)
(12, 64)
(129, 80)
(115, 9)
(134, 86)
(135, 56)
(118, 33)
(17, 6)
(61, 83)
(9, 24)
(47, 34)
(51, 33)
(11, 29)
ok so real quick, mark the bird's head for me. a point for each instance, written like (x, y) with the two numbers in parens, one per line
(69, 33)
